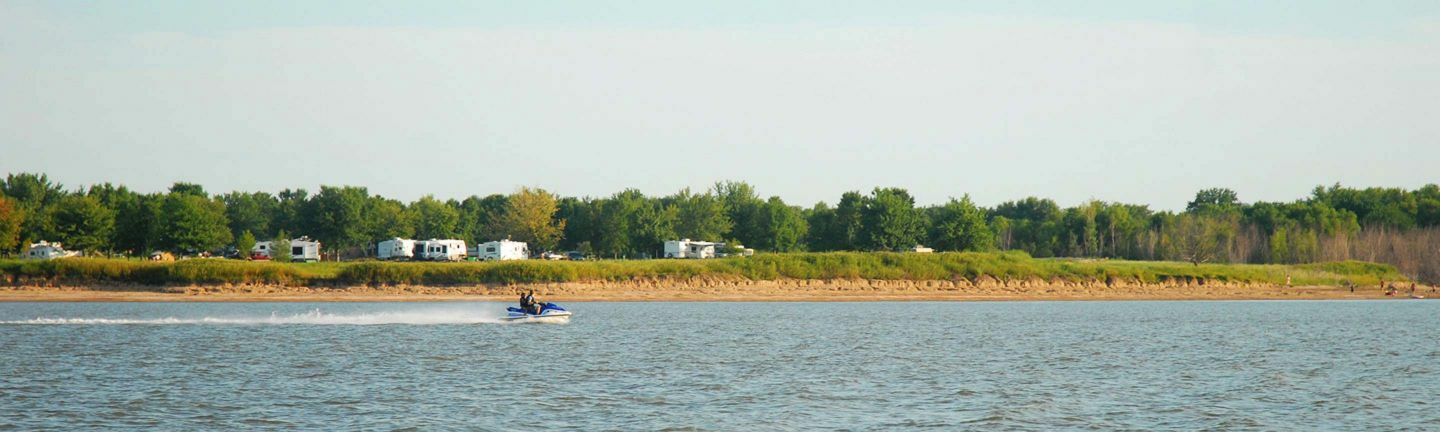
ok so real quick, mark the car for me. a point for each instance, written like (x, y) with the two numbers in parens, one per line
(575, 256)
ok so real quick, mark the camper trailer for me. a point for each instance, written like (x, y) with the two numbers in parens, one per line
(687, 248)
(301, 249)
(440, 250)
(503, 250)
(45, 250)
(396, 249)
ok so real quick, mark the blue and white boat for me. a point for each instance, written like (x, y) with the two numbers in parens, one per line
(549, 313)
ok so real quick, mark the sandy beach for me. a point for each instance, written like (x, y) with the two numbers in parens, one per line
(709, 290)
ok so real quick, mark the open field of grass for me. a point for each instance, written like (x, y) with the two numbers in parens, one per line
(840, 265)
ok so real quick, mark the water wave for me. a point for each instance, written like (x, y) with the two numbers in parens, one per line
(313, 317)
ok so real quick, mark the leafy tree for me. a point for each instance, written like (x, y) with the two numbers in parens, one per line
(848, 232)
(386, 219)
(250, 211)
(582, 223)
(742, 206)
(11, 217)
(191, 223)
(290, 211)
(960, 226)
(782, 227)
(280, 248)
(891, 221)
(1213, 198)
(700, 216)
(137, 224)
(335, 216)
(1195, 239)
(821, 236)
(245, 243)
(188, 188)
(82, 223)
(434, 219)
(32, 192)
(529, 216)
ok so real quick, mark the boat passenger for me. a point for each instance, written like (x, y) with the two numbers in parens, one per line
(526, 299)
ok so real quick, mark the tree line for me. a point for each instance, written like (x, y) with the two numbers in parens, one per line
(1334, 222)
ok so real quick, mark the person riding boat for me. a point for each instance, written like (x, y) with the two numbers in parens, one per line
(529, 304)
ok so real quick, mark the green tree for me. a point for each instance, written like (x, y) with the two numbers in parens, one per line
(700, 216)
(386, 219)
(82, 223)
(250, 211)
(245, 243)
(1213, 198)
(335, 216)
(782, 227)
(191, 223)
(33, 193)
(891, 221)
(137, 224)
(280, 247)
(960, 226)
(743, 207)
(434, 219)
(529, 216)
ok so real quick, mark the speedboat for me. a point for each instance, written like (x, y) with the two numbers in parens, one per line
(549, 313)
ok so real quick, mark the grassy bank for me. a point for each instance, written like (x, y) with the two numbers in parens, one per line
(846, 265)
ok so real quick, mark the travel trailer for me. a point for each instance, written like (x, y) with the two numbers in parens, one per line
(687, 248)
(440, 250)
(45, 250)
(396, 249)
(503, 250)
(301, 249)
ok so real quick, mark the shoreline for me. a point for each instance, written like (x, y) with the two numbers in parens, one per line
(705, 291)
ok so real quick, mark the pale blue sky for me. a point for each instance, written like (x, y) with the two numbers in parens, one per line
(1135, 101)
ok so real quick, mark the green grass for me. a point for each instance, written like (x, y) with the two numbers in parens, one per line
(839, 265)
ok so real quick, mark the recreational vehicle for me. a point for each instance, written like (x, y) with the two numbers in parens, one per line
(396, 249)
(301, 249)
(440, 250)
(45, 250)
(687, 248)
(503, 250)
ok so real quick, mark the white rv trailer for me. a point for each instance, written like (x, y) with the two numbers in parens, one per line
(440, 250)
(45, 250)
(396, 249)
(301, 249)
(503, 250)
(686, 248)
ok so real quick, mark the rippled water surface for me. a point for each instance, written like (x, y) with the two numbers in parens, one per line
(723, 366)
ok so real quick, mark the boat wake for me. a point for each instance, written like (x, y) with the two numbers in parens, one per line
(313, 317)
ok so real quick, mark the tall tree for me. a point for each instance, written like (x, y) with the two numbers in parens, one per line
(1220, 198)
(891, 220)
(137, 224)
(82, 223)
(700, 216)
(743, 207)
(960, 226)
(335, 216)
(250, 212)
(782, 227)
(33, 192)
(529, 216)
(190, 223)
(434, 219)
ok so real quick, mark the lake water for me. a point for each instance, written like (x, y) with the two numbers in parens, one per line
(1371, 365)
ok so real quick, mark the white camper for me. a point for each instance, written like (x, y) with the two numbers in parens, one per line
(440, 250)
(304, 249)
(396, 249)
(301, 249)
(45, 250)
(687, 248)
(503, 250)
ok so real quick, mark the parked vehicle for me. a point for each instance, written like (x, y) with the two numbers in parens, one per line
(302, 249)
(45, 250)
(396, 249)
(440, 250)
(503, 250)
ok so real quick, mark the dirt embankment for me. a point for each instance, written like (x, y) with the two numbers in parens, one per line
(703, 289)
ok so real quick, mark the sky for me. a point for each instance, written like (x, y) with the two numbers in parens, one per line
(1133, 101)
